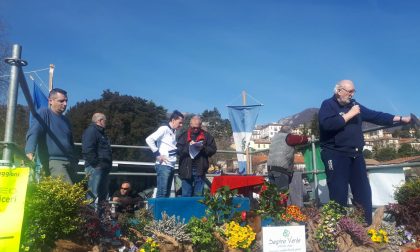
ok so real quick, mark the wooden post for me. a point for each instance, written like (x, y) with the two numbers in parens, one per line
(248, 160)
(51, 78)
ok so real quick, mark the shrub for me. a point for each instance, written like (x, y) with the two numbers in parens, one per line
(220, 205)
(409, 190)
(407, 211)
(52, 211)
(201, 232)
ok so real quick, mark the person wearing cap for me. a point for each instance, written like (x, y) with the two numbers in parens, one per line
(162, 142)
(51, 134)
(341, 139)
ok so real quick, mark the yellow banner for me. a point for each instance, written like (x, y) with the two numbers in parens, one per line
(13, 184)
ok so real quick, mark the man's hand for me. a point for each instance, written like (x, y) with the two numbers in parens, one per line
(402, 119)
(30, 156)
(162, 159)
(354, 111)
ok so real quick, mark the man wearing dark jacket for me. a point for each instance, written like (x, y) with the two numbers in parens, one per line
(195, 146)
(98, 157)
(341, 140)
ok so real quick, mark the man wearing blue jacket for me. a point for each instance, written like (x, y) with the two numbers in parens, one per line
(341, 138)
(97, 154)
(51, 132)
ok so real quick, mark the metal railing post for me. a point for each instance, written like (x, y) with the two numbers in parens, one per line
(315, 171)
(16, 64)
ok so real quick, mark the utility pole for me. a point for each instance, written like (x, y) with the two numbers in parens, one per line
(16, 64)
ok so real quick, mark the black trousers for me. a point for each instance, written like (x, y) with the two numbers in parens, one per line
(342, 170)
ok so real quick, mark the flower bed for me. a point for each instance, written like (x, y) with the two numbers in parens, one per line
(330, 228)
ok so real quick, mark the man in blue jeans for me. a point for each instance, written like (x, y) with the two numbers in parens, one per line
(195, 146)
(97, 153)
(162, 142)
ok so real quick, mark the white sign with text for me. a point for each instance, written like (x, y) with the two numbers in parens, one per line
(284, 238)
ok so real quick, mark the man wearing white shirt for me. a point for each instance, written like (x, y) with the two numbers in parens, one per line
(162, 142)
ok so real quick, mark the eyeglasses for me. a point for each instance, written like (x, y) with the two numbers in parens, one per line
(125, 188)
(349, 91)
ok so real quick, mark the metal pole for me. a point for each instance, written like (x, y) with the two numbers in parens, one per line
(16, 63)
(315, 170)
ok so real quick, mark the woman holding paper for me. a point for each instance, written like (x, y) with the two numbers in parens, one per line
(195, 146)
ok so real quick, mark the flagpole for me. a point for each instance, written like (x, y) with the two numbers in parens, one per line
(248, 170)
(51, 78)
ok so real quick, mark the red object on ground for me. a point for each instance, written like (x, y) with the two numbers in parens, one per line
(242, 183)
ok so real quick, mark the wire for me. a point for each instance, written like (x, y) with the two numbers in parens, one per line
(28, 72)
(250, 96)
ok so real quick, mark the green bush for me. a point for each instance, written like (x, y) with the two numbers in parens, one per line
(411, 189)
(52, 211)
(201, 232)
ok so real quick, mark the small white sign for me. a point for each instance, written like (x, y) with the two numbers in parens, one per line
(284, 238)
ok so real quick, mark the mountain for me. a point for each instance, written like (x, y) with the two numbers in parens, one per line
(303, 117)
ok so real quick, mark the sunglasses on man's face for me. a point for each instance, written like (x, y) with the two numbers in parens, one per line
(125, 188)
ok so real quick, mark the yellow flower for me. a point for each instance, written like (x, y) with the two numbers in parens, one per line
(142, 250)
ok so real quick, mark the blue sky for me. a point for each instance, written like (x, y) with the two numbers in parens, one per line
(195, 55)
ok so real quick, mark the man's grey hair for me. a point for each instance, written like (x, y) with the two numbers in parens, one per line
(98, 116)
(337, 87)
(196, 117)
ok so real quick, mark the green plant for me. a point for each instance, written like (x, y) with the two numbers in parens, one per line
(272, 202)
(52, 211)
(220, 205)
(327, 231)
(137, 221)
(411, 189)
(201, 232)
(407, 211)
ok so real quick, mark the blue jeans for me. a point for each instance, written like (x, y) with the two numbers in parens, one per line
(193, 186)
(98, 181)
(165, 176)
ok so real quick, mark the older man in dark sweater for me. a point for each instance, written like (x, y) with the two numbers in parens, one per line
(341, 139)
(97, 153)
(51, 132)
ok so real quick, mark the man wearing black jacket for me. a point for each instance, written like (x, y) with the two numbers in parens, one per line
(98, 157)
(195, 146)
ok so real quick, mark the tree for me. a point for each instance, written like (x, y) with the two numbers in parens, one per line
(367, 153)
(129, 121)
(385, 154)
(314, 125)
(406, 150)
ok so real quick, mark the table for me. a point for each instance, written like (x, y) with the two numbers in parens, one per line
(242, 183)
(187, 207)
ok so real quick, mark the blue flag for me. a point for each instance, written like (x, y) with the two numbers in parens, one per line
(39, 98)
(40, 101)
(243, 120)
